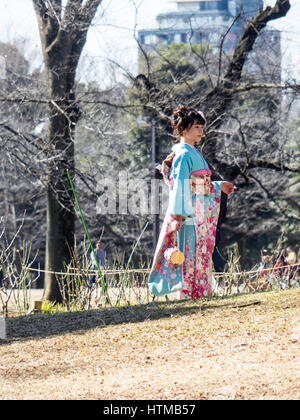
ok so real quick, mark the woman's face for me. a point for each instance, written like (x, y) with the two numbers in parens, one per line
(194, 134)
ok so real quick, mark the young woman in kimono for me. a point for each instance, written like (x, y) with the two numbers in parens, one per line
(192, 214)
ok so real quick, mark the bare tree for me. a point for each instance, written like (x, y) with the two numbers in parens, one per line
(220, 97)
(224, 83)
(63, 32)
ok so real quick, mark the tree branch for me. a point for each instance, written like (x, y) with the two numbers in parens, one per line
(48, 21)
(251, 32)
(70, 13)
(233, 171)
(250, 86)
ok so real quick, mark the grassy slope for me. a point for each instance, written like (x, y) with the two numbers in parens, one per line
(244, 347)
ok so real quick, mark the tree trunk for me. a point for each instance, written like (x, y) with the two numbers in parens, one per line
(60, 205)
(63, 31)
(59, 242)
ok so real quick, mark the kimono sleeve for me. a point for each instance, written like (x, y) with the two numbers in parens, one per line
(180, 202)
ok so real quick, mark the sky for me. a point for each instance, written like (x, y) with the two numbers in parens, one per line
(111, 38)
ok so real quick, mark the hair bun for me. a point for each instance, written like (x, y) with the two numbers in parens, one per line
(181, 110)
(184, 117)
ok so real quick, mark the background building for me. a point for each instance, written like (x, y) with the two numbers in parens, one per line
(203, 21)
(206, 21)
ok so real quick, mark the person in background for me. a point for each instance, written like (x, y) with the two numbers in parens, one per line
(101, 258)
(291, 256)
(291, 260)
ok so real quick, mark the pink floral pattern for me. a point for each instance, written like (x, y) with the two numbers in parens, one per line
(197, 268)
(194, 196)
(197, 240)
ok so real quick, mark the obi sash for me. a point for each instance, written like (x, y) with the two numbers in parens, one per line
(200, 182)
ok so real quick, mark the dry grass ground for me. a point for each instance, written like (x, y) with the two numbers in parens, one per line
(244, 347)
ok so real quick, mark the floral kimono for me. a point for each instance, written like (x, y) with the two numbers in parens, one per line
(194, 196)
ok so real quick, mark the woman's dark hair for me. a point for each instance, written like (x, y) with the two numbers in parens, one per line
(183, 118)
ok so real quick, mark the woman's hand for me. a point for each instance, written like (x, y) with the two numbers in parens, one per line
(228, 187)
(176, 223)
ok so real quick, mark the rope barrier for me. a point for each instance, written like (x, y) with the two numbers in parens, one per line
(261, 270)
(147, 270)
(87, 271)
